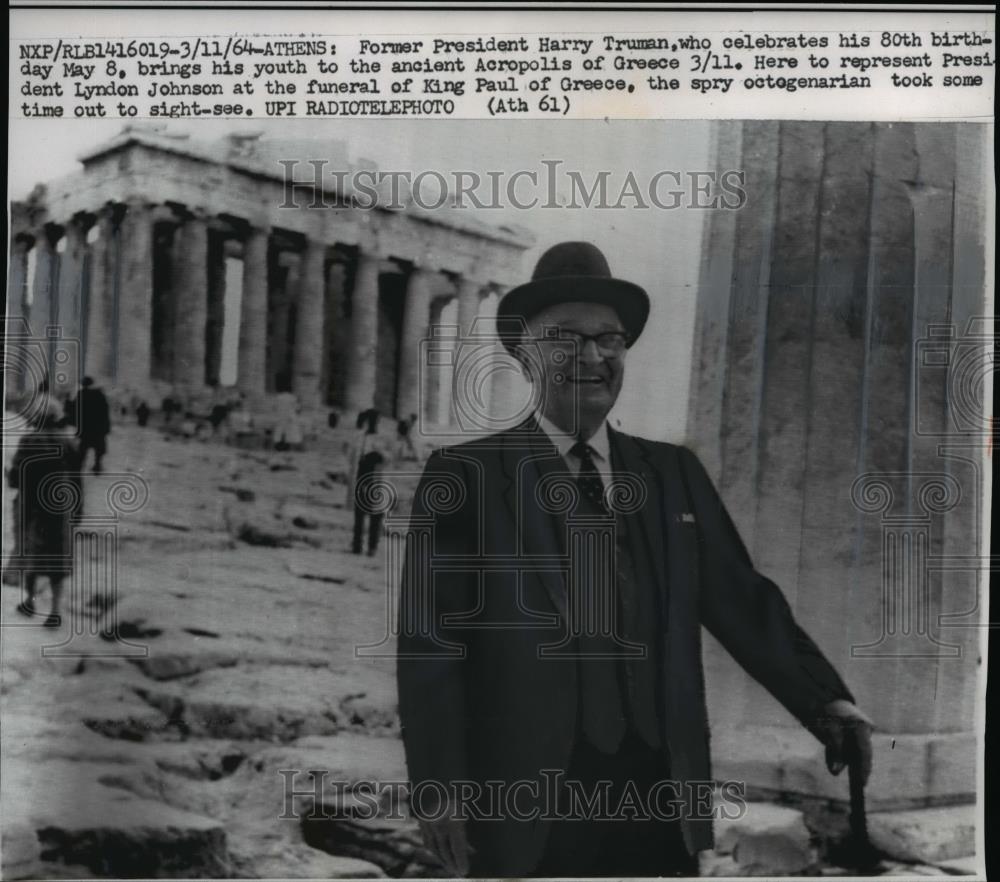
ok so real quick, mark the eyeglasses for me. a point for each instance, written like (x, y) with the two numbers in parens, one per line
(607, 342)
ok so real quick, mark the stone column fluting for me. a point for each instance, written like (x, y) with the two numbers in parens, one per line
(360, 386)
(821, 400)
(190, 255)
(727, 284)
(17, 370)
(215, 317)
(307, 359)
(337, 333)
(70, 300)
(134, 300)
(17, 285)
(438, 361)
(252, 358)
(281, 313)
(43, 296)
(416, 322)
(469, 291)
(467, 352)
(100, 300)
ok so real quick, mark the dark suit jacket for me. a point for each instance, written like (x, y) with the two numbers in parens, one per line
(479, 701)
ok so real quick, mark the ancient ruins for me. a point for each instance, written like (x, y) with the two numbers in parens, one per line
(841, 356)
(132, 261)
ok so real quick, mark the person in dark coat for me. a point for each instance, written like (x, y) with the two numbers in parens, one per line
(405, 448)
(45, 472)
(370, 458)
(94, 417)
(557, 577)
(368, 420)
(168, 407)
(219, 414)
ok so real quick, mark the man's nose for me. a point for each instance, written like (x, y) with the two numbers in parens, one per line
(590, 353)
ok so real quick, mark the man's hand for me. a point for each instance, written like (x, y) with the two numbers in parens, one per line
(847, 734)
(447, 840)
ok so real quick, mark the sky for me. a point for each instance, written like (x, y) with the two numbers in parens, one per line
(654, 247)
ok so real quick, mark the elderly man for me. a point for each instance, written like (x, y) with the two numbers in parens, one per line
(557, 577)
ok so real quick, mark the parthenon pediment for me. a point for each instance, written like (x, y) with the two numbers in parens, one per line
(246, 175)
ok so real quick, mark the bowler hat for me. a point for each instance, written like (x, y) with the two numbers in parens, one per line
(571, 271)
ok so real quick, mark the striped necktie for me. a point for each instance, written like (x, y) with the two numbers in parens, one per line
(588, 480)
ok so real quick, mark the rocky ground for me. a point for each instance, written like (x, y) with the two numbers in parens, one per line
(183, 747)
(240, 608)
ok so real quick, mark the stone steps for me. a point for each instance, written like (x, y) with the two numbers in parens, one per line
(62, 813)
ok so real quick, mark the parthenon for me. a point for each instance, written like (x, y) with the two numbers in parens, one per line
(139, 257)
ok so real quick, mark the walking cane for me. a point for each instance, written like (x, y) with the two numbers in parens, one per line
(860, 853)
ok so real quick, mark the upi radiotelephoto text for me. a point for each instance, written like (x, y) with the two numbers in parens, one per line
(475, 76)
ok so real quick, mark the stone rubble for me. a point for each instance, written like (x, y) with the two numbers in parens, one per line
(929, 836)
(767, 840)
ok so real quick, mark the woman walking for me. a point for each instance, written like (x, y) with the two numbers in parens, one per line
(46, 473)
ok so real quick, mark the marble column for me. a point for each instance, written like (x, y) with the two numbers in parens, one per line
(970, 343)
(722, 354)
(251, 374)
(44, 299)
(410, 397)
(307, 358)
(337, 334)
(281, 317)
(360, 385)
(191, 293)
(18, 371)
(438, 365)
(920, 652)
(70, 305)
(469, 291)
(100, 300)
(467, 353)
(134, 300)
(215, 318)
(17, 285)
(826, 430)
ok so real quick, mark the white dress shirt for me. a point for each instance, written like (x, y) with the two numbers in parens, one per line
(600, 445)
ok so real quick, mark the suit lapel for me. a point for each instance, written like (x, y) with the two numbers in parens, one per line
(682, 530)
(635, 460)
(530, 460)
